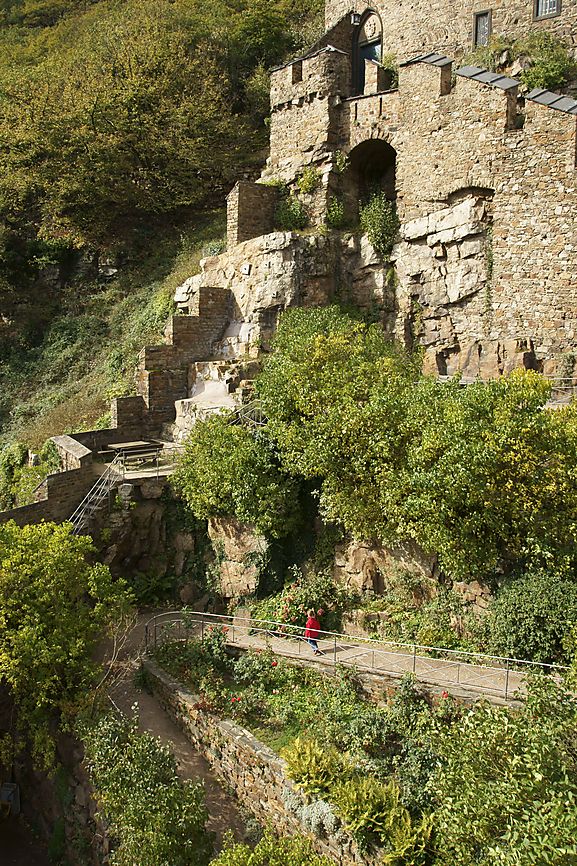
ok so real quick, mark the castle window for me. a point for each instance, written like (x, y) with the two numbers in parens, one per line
(482, 27)
(368, 46)
(547, 8)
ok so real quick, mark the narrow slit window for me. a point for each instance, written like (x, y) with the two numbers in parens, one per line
(482, 28)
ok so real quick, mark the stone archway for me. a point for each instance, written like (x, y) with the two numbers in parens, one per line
(371, 168)
(367, 45)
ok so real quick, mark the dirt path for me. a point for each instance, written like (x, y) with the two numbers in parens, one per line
(222, 807)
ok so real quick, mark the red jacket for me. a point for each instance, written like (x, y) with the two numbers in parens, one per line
(312, 628)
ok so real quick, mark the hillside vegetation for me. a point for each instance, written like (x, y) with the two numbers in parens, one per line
(122, 127)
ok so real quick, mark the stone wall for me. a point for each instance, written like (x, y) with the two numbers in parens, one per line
(264, 276)
(62, 492)
(162, 372)
(253, 772)
(486, 191)
(250, 211)
(417, 26)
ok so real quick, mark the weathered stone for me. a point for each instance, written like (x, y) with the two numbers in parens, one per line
(238, 549)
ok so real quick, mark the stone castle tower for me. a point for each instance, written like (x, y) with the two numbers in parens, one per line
(483, 177)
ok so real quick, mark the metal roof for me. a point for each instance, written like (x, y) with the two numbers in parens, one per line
(486, 77)
(553, 100)
(432, 58)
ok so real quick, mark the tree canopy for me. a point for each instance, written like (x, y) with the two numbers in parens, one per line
(483, 476)
(54, 607)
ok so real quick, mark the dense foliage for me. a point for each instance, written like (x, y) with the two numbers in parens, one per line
(154, 817)
(272, 851)
(227, 469)
(435, 784)
(506, 788)
(532, 616)
(546, 60)
(54, 607)
(120, 119)
(483, 475)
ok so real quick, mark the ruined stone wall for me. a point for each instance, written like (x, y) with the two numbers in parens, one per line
(250, 211)
(264, 276)
(61, 494)
(411, 28)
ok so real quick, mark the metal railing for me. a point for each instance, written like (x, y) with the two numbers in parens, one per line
(110, 478)
(475, 672)
(250, 414)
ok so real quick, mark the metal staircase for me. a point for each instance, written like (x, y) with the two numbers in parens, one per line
(110, 478)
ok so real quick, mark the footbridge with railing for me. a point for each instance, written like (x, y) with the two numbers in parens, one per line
(462, 674)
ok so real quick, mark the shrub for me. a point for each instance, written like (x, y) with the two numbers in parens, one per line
(291, 214)
(318, 591)
(228, 470)
(372, 812)
(272, 851)
(335, 213)
(309, 180)
(313, 767)
(156, 818)
(531, 617)
(551, 63)
(505, 788)
(379, 221)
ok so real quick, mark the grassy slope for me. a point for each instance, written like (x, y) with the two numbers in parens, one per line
(90, 350)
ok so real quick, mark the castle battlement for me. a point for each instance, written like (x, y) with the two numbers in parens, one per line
(447, 137)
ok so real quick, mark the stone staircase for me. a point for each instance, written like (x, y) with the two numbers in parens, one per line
(162, 375)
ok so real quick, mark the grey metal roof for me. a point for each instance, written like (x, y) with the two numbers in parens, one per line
(486, 77)
(553, 100)
(431, 57)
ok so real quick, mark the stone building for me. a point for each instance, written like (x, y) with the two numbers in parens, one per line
(483, 177)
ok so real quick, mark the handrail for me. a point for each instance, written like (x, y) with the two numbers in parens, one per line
(471, 672)
(113, 473)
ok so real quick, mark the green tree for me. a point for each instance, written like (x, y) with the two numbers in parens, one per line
(54, 608)
(127, 121)
(506, 786)
(229, 470)
(155, 817)
(485, 476)
(490, 478)
(532, 616)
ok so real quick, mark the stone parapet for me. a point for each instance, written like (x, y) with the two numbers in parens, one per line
(73, 455)
(253, 772)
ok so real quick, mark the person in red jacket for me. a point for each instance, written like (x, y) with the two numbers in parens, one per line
(312, 630)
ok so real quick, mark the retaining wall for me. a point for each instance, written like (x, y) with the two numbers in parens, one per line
(248, 767)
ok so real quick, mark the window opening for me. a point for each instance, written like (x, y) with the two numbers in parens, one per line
(368, 46)
(482, 29)
(547, 8)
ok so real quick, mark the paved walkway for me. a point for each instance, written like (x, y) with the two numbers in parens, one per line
(455, 676)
